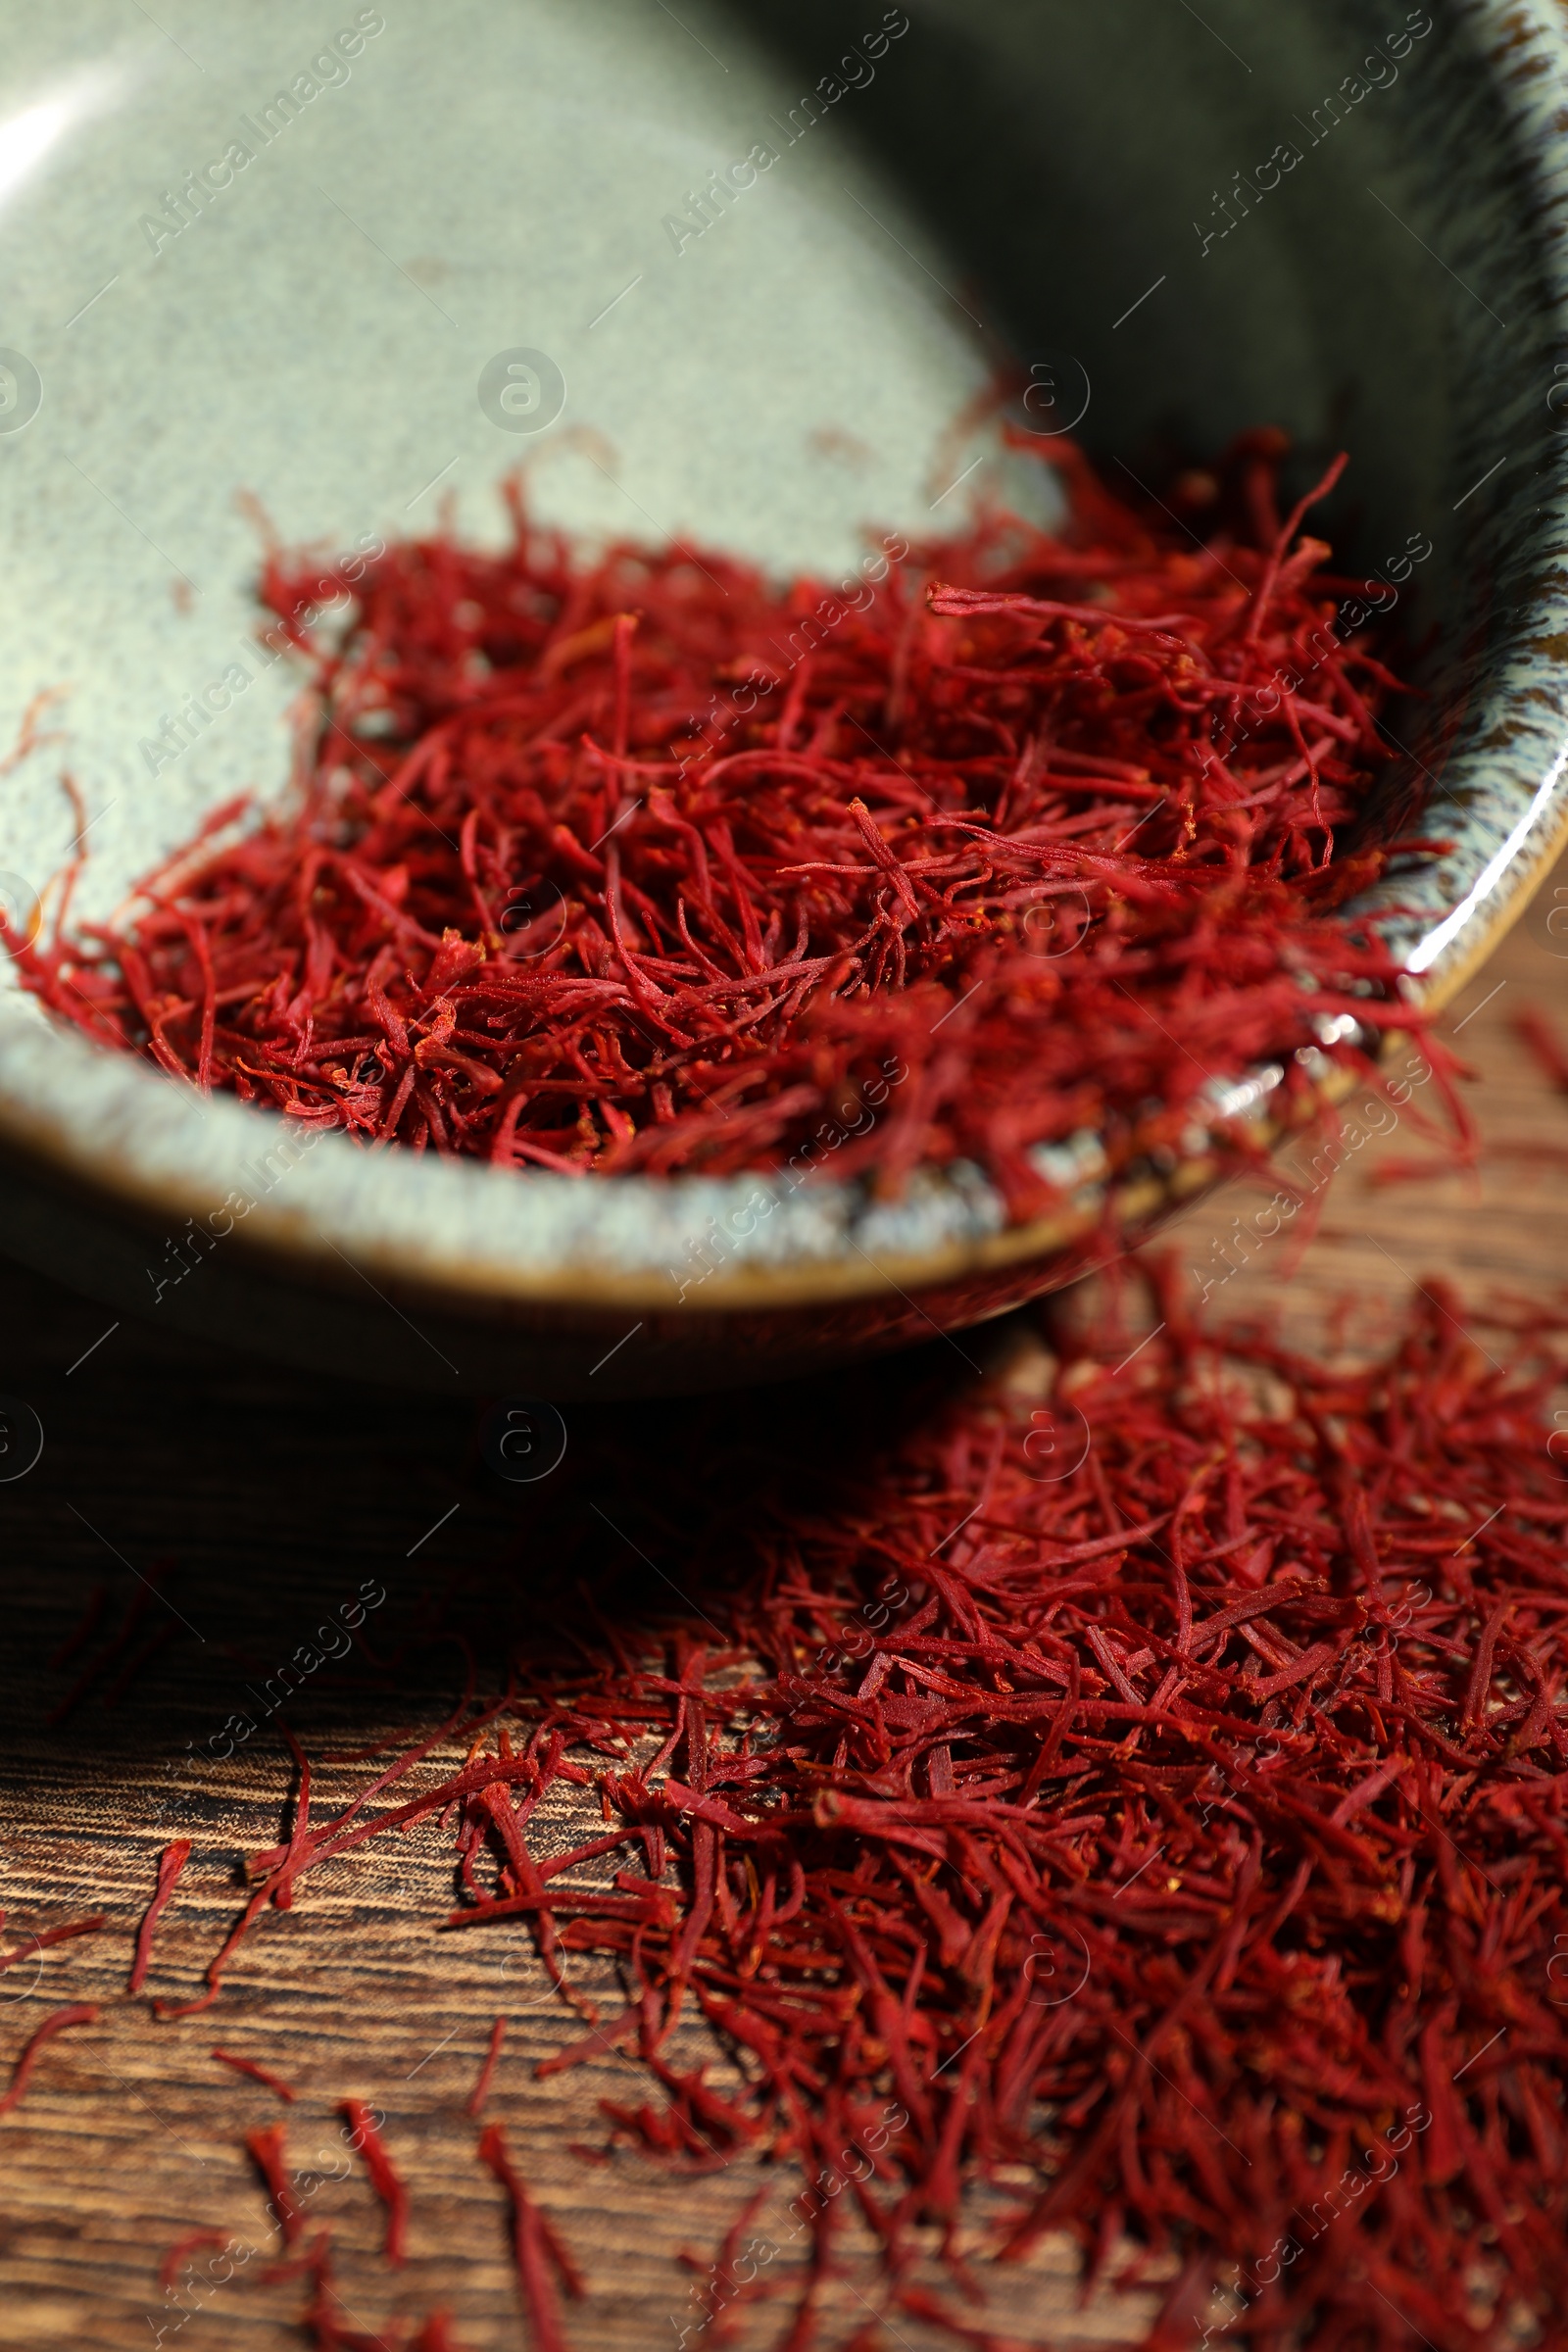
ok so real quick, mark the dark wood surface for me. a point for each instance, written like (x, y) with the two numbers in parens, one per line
(259, 1501)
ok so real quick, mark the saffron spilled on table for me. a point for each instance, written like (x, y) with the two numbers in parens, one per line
(1123, 1797)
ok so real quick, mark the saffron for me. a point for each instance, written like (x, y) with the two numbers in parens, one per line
(180, 2253)
(537, 2250)
(486, 2075)
(639, 863)
(267, 2155)
(385, 2179)
(257, 2074)
(171, 1863)
(1546, 1049)
(37, 1941)
(76, 2013)
(436, 2334)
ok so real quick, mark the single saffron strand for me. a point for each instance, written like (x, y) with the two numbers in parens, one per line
(171, 1863)
(39, 1940)
(257, 2073)
(76, 2013)
(481, 2088)
(436, 2334)
(322, 2318)
(180, 2252)
(1546, 1049)
(267, 2155)
(219, 1961)
(385, 2179)
(535, 2247)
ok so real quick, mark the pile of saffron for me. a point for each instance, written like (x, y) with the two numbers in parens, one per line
(635, 861)
(1139, 1786)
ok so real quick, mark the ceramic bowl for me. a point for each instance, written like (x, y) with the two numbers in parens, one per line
(246, 250)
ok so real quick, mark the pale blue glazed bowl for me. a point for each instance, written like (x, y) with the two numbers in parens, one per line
(223, 275)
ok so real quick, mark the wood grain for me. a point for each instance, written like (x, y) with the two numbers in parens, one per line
(269, 1498)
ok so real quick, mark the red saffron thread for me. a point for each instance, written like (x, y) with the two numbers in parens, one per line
(267, 2150)
(218, 1963)
(277, 1886)
(536, 2247)
(76, 2013)
(436, 2334)
(180, 2253)
(42, 1939)
(1533, 1029)
(257, 2074)
(481, 2088)
(171, 1863)
(385, 2179)
(321, 2317)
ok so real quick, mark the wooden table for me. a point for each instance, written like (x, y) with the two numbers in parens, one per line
(269, 1498)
